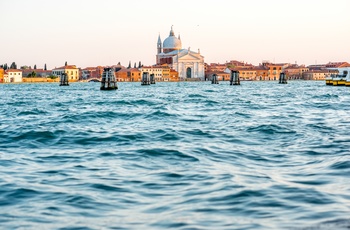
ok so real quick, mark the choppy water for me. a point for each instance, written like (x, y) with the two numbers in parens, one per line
(175, 156)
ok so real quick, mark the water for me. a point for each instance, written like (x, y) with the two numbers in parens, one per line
(175, 156)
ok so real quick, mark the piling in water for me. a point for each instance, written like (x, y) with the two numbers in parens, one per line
(64, 80)
(108, 81)
(234, 79)
(153, 80)
(214, 79)
(145, 79)
(283, 78)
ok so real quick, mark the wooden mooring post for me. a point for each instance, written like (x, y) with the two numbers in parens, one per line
(153, 79)
(108, 81)
(283, 78)
(234, 79)
(145, 79)
(64, 80)
(214, 79)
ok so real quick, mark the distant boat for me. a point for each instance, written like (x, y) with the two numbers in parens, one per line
(341, 79)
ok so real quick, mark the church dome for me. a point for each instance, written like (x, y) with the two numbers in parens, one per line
(172, 42)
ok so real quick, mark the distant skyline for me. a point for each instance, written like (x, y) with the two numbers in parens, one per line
(91, 33)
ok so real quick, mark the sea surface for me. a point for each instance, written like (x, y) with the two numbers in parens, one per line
(187, 155)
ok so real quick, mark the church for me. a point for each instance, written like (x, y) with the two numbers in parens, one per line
(188, 64)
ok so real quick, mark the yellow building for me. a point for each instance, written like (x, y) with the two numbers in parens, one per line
(318, 75)
(166, 73)
(71, 70)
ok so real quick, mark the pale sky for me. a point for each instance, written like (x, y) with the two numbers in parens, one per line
(105, 32)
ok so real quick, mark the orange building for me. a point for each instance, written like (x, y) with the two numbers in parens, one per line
(2, 72)
(174, 75)
(274, 70)
(132, 74)
(261, 73)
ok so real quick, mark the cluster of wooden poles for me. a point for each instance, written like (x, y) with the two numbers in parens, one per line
(109, 82)
(234, 78)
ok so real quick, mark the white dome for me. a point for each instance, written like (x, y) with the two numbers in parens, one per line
(172, 42)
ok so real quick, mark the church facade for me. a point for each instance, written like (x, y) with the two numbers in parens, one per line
(188, 64)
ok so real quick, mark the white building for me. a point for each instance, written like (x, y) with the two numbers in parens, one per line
(156, 70)
(13, 75)
(187, 63)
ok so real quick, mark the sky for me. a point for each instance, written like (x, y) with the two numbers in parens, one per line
(90, 33)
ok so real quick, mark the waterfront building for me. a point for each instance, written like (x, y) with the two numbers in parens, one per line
(295, 72)
(71, 70)
(239, 64)
(92, 73)
(156, 70)
(261, 73)
(161, 72)
(131, 74)
(39, 73)
(2, 72)
(216, 67)
(13, 75)
(174, 75)
(318, 75)
(335, 65)
(245, 74)
(188, 64)
(221, 75)
(274, 70)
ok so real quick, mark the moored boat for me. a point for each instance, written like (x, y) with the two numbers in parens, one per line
(341, 79)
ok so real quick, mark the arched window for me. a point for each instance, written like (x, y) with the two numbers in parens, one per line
(188, 72)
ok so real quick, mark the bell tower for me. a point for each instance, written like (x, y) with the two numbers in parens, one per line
(159, 45)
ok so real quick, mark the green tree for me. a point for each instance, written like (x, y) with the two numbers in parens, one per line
(35, 66)
(135, 65)
(140, 64)
(13, 65)
(65, 64)
(129, 66)
(45, 67)
(5, 66)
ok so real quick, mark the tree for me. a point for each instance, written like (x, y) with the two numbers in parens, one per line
(65, 64)
(13, 65)
(32, 74)
(129, 66)
(45, 67)
(140, 64)
(5, 66)
(135, 65)
(35, 66)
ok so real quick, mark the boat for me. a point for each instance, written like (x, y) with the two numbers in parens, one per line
(329, 79)
(341, 79)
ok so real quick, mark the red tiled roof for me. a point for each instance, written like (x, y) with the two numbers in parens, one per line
(67, 67)
(13, 70)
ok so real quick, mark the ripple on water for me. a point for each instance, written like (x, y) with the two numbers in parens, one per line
(175, 155)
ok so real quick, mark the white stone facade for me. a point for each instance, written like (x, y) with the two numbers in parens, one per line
(189, 64)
